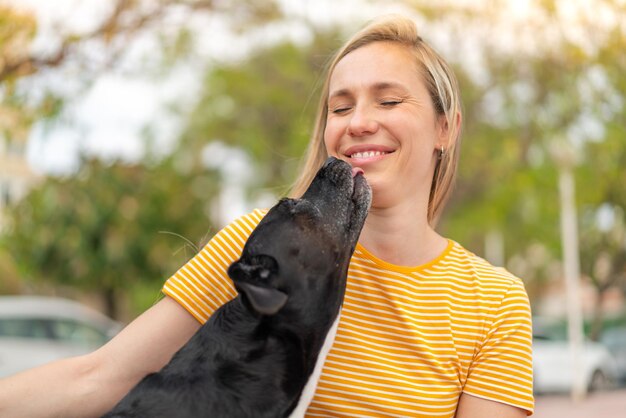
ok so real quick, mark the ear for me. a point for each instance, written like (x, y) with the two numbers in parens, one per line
(252, 279)
(444, 131)
(264, 300)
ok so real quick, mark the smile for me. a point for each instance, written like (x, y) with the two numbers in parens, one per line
(367, 154)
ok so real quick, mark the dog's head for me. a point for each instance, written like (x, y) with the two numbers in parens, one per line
(299, 253)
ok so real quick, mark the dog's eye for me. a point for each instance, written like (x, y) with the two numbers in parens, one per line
(264, 274)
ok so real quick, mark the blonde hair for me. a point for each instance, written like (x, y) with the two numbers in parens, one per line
(442, 87)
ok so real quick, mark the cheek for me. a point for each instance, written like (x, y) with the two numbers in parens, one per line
(331, 137)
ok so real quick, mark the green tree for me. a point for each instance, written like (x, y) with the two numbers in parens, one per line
(603, 220)
(264, 105)
(111, 228)
(17, 30)
(123, 23)
(604, 259)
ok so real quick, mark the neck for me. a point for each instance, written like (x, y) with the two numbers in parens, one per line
(401, 235)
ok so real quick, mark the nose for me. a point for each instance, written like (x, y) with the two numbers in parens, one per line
(361, 122)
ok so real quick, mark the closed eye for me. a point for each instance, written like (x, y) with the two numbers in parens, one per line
(340, 110)
(390, 103)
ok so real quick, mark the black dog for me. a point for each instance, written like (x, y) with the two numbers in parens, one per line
(260, 355)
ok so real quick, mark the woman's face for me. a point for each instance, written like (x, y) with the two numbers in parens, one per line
(381, 119)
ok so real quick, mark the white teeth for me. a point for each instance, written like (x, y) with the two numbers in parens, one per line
(367, 154)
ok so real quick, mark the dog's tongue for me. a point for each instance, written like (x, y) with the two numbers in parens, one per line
(356, 171)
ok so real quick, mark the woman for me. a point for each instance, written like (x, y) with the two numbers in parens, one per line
(427, 328)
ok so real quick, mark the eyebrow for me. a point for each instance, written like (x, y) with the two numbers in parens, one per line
(383, 85)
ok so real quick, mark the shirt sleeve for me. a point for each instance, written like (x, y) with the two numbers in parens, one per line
(202, 285)
(502, 368)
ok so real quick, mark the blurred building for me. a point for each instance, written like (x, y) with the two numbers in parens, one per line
(16, 177)
(553, 302)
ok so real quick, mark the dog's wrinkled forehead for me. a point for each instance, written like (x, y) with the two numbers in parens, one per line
(289, 220)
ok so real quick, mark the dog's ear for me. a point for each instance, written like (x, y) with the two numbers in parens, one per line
(264, 300)
(252, 278)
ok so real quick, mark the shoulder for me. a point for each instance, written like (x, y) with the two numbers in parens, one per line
(501, 368)
(478, 268)
(494, 285)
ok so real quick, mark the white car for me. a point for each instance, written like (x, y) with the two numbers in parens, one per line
(36, 330)
(553, 365)
(615, 341)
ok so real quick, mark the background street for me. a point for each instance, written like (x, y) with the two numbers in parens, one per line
(610, 404)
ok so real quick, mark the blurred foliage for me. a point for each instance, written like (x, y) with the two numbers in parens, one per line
(11, 282)
(121, 24)
(124, 22)
(17, 30)
(111, 227)
(604, 258)
(265, 105)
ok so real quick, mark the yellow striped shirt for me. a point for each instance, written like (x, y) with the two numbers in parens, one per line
(410, 339)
